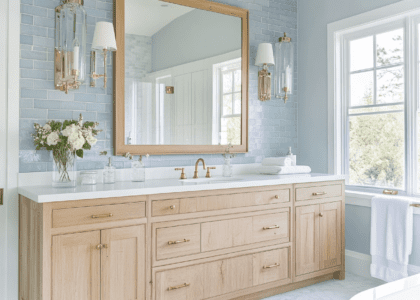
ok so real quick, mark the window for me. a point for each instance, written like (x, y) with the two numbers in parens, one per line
(376, 87)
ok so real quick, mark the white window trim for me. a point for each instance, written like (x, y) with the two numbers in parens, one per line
(336, 111)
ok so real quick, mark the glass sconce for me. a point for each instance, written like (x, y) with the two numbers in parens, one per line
(103, 40)
(264, 58)
(70, 45)
(283, 78)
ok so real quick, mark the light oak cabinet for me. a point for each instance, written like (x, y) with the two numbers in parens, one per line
(246, 243)
(318, 237)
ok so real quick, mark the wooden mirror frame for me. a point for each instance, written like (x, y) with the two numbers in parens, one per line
(120, 148)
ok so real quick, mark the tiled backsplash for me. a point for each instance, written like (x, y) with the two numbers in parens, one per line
(272, 124)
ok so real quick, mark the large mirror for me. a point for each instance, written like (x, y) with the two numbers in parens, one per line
(181, 77)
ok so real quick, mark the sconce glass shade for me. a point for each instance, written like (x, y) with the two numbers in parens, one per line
(283, 75)
(264, 55)
(104, 37)
(70, 45)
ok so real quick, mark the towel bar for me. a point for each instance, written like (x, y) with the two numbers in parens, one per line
(415, 205)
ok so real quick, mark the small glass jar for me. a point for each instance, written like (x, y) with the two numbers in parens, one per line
(227, 168)
(88, 177)
(138, 172)
(109, 174)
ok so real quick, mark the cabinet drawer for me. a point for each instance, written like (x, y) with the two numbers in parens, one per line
(177, 241)
(243, 231)
(271, 266)
(97, 214)
(318, 192)
(165, 207)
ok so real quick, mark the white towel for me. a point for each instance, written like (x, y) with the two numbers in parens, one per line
(279, 170)
(277, 161)
(391, 238)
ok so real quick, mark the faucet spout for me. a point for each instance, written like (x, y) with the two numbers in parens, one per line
(196, 167)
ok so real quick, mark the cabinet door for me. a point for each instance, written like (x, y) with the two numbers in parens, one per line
(307, 239)
(123, 263)
(76, 266)
(330, 235)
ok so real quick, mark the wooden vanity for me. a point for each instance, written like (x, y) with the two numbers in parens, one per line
(240, 243)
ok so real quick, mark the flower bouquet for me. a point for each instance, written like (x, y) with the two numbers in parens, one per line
(65, 141)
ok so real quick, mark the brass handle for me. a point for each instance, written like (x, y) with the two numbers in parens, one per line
(390, 192)
(178, 286)
(172, 207)
(271, 227)
(276, 196)
(319, 194)
(321, 214)
(102, 216)
(272, 266)
(208, 175)
(102, 246)
(178, 242)
(183, 176)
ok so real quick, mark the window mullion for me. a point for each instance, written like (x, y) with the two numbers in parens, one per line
(374, 69)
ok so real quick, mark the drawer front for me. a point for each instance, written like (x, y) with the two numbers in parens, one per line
(243, 231)
(165, 207)
(97, 214)
(318, 192)
(206, 280)
(218, 202)
(177, 241)
(271, 266)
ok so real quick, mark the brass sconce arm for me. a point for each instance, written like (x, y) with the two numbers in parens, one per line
(95, 76)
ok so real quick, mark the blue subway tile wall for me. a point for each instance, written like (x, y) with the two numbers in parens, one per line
(272, 124)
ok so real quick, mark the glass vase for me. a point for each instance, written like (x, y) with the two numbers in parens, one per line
(64, 172)
(138, 172)
(227, 168)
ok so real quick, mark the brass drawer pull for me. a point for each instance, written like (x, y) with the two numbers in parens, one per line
(271, 227)
(178, 242)
(321, 214)
(172, 207)
(390, 192)
(276, 196)
(102, 216)
(272, 266)
(178, 286)
(319, 194)
(102, 246)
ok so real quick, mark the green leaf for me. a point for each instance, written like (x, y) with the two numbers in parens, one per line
(79, 153)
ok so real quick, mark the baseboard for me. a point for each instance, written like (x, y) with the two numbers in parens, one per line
(359, 264)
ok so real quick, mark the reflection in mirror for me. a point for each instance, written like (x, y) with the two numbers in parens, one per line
(182, 75)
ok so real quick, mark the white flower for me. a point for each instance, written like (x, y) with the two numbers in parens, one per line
(91, 140)
(71, 129)
(47, 127)
(53, 138)
(76, 141)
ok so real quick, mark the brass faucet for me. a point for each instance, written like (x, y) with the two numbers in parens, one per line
(196, 167)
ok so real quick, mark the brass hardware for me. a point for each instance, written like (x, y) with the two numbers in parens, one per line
(276, 196)
(415, 205)
(178, 242)
(319, 194)
(1, 196)
(285, 39)
(196, 167)
(272, 266)
(102, 246)
(63, 79)
(95, 76)
(321, 215)
(285, 89)
(172, 207)
(390, 192)
(264, 84)
(102, 216)
(271, 227)
(183, 176)
(208, 175)
(170, 90)
(178, 286)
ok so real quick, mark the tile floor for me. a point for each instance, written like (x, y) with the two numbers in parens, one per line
(331, 290)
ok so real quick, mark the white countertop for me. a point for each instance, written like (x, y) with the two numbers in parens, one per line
(42, 194)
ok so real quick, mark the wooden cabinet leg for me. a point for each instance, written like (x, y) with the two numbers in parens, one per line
(340, 275)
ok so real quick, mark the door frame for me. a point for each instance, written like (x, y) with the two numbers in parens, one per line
(9, 147)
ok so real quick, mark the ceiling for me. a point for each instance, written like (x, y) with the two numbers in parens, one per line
(146, 17)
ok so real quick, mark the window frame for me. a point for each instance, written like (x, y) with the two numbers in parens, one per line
(366, 24)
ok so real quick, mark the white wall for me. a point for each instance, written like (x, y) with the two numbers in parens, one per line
(9, 146)
(313, 17)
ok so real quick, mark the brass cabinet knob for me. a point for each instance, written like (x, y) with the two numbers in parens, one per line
(172, 207)
(102, 246)
(276, 196)
(321, 214)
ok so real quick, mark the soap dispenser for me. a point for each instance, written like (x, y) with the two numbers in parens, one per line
(138, 173)
(109, 172)
(291, 156)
